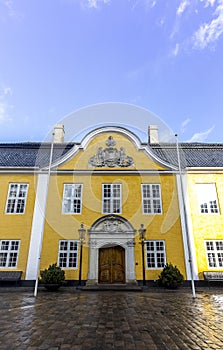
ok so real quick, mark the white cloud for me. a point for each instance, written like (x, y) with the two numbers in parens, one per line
(209, 33)
(9, 5)
(94, 3)
(4, 114)
(176, 50)
(135, 4)
(185, 124)
(151, 3)
(161, 22)
(138, 72)
(209, 3)
(183, 5)
(136, 100)
(8, 10)
(7, 91)
(179, 12)
(201, 136)
(5, 106)
(145, 3)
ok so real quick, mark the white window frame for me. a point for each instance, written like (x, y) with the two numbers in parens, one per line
(65, 251)
(112, 199)
(19, 197)
(215, 253)
(156, 252)
(69, 200)
(207, 198)
(151, 199)
(9, 249)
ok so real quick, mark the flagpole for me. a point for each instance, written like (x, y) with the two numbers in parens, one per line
(185, 219)
(44, 215)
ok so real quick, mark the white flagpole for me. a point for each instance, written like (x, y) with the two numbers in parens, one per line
(185, 220)
(44, 216)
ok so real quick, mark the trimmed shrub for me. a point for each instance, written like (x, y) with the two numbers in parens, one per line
(53, 275)
(170, 277)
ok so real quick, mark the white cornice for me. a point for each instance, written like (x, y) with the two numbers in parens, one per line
(113, 172)
(19, 170)
(202, 170)
(93, 171)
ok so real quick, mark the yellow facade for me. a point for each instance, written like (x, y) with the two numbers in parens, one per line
(206, 226)
(17, 226)
(74, 168)
(165, 226)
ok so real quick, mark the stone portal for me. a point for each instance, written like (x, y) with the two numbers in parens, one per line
(111, 241)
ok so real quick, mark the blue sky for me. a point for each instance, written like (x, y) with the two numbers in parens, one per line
(61, 55)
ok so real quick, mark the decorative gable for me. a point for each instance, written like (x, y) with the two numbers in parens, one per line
(110, 156)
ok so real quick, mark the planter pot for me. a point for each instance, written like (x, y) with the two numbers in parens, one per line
(52, 286)
(173, 285)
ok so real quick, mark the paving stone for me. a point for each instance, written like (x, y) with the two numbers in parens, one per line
(71, 320)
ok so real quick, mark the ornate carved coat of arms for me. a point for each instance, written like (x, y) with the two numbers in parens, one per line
(110, 156)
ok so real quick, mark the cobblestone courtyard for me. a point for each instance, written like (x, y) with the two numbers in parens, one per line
(111, 320)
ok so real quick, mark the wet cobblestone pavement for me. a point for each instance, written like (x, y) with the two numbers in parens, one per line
(111, 320)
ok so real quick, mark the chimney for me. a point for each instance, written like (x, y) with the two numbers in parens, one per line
(153, 134)
(58, 136)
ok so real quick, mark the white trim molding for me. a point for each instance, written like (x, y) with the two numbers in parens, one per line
(187, 229)
(37, 228)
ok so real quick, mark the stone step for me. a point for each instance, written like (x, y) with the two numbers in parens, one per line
(112, 287)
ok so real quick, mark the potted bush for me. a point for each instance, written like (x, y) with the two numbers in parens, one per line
(170, 277)
(53, 277)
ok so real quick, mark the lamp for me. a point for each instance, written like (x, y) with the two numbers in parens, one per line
(142, 231)
(82, 233)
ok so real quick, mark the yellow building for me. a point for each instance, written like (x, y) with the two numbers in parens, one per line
(110, 198)
(204, 193)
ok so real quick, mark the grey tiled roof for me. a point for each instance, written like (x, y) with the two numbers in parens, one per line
(37, 154)
(191, 154)
(30, 154)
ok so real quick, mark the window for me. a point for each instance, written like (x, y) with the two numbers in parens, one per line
(214, 253)
(16, 200)
(111, 198)
(67, 257)
(72, 199)
(155, 254)
(9, 251)
(151, 199)
(207, 197)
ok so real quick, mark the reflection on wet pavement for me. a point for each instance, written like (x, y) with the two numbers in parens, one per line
(111, 320)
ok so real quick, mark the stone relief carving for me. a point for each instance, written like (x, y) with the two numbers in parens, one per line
(92, 243)
(131, 243)
(112, 226)
(110, 156)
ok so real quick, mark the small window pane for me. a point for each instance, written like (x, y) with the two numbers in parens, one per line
(207, 197)
(16, 200)
(155, 252)
(111, 198)
(5, 245)
(67, 256)
(214, 253)
(151, 199)
(9, 253)
(3, 259)
(72, 199)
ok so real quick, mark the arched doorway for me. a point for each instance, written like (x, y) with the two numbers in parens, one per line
(111, 264)
(115, 232)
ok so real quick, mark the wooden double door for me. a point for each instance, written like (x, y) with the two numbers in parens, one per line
(112, 265)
